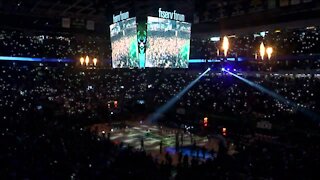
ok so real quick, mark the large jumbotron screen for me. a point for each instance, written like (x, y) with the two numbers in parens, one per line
(124, 44)
(168, 43)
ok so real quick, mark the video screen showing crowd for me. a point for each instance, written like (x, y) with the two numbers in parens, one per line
(168, 43)
(124, 44)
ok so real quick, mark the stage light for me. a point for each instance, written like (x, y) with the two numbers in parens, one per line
(223, 69)
(164, 108)
(81, 61)
(209, 69)
(95, 60)
(205, 122)
(215, 39)
(262, 50)
(224, 131)
(87, 60)
(278, 97)
(269, 52)
(115, 103)
(225, 45)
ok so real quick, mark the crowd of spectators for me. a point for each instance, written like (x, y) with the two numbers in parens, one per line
(46, 111)
(21, 43)
(124, 53)
(285, 42)
(293, 48)
(165, 52)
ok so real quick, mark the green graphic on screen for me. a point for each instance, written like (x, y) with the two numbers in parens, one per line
(168, 43)
(124, 44)
(142, 40)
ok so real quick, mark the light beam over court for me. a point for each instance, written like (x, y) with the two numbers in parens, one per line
(278, 97)
(164, 108)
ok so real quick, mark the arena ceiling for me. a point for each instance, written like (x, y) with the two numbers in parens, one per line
(88, 8)
(207, 15)
(208, 9)
(53, 8)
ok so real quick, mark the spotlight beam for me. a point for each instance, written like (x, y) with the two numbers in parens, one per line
(280, 98)
(164, 108)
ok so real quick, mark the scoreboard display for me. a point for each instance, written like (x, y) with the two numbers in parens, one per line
(124, 44)
(168, 43)
(155, 42)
